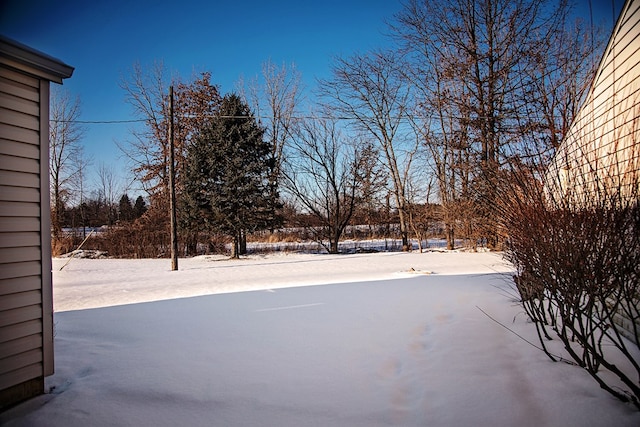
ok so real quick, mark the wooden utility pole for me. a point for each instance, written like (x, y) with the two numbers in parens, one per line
(172, 188)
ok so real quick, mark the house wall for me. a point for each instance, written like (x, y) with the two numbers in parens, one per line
(26, 327)
(602, 149)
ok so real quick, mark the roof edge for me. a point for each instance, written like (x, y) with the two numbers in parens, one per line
(17, 54)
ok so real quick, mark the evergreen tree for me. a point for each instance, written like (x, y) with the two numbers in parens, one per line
(125, 208)
(227, 176)
(139, 208)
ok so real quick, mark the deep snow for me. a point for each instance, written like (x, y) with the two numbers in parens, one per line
(396, 339)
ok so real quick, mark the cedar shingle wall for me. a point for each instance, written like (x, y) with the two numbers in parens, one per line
(21, 266)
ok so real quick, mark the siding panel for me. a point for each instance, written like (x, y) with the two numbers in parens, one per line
(19, 315)
(19, 164)
(19, 194)
(19, 360)
(15, 118)
(20, 284)
(17, 77)
(20, 345)
(14, 240)
(21, 299)
(15, 103)
(9, 224)
(20, 269)
(21, 326)
(26, 316)
(19, 330)
(20, 179)
(602, 149)
(10, 255)
(23, 209)
(21, 135)
(21, 375)
(19, 149)
(19, 90)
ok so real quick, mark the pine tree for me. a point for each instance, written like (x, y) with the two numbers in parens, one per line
(125, 208)
(139, 208)
(227, 176)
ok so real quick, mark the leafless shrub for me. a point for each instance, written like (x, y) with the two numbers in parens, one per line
(147, 237)
(577, 260)
(62, 244)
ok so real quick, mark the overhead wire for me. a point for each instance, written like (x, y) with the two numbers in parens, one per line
(198, 116)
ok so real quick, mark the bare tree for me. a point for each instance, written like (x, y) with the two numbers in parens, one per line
(147, 92)
(467, 60)
(446, 136)
(558, 80)
(148, 151)
(421, 213)
(109, 188)
(80, 190)
(66, 158)
(368, 91)
(373, 180)
(275, 98)
(321, 172)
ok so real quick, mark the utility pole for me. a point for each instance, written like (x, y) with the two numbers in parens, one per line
(172, 188)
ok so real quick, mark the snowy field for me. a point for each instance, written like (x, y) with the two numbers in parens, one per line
(391, 339)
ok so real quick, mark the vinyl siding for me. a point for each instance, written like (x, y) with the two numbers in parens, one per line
(26, 301)
(602, 148)
(23, 316)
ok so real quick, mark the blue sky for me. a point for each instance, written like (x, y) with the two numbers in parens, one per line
(103, 39)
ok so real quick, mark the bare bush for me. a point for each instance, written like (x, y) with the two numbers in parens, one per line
(146, 237)
(577, 260)
(62, 245)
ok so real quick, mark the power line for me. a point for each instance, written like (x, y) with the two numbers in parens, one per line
(294, 118)
(98, 122)
(111, 122)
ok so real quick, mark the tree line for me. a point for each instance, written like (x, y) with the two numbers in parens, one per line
(95, 212)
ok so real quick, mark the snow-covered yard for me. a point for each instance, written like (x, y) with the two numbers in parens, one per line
(392, 339)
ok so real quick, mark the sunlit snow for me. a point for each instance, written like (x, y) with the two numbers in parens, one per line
(391, 339)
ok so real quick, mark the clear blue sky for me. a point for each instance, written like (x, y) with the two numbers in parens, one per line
(103, 39)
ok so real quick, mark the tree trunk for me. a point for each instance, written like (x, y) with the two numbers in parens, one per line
(405, 241)
(450, 234)
(191, 244)
(235, 247)
(242, 244)
(403, 230)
